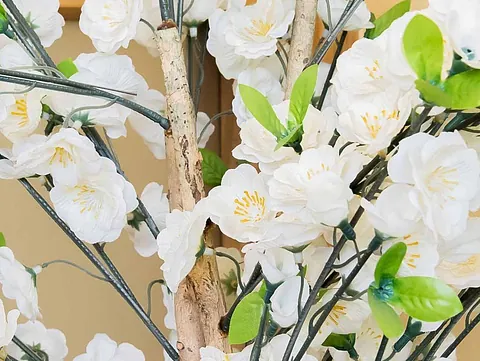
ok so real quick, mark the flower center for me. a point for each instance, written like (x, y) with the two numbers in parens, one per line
(115, 14)
(20, 110)
(337, 312)
(85, 198)
(465, 268)
(373, 123)
(441, 179)
(62, 156)
(251, 207)
(259, 27)
(374, 71)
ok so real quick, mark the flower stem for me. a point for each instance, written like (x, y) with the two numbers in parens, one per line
(381, 349)
(461, 336)
(63, 261)
(149, 294)
(237, 266)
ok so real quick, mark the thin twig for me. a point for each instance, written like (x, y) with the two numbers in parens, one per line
(212, 119)
(149, 294)
(237, 266)
(461, 336)
(63, 261)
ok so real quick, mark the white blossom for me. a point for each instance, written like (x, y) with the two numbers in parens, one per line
(110, 24)
(44, 18)
(103, 348)
(35, 334)
(96, 207)
(277, 264)
(8, 324)
(332, 12)
(157, 205)
(284, 301)
(180, 242)
(19, 284)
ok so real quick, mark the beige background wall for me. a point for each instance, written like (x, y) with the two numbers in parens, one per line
(71, 301)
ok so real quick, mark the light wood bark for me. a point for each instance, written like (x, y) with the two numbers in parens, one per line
(199, 302)
(302, 40)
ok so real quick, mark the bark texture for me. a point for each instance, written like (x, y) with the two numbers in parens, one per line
(302, 40)
(199, 302)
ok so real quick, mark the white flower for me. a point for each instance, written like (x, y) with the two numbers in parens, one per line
(198, 11)
(102, 348)
(18, 284)
(444, 173)
(96, 207)
(20, 114)
(368, 341)
(203, 125)
(331, 13)
(180, 242)
(393, 214)
(317, 186)
(254, 29)
(12, 55)
(258, 144)
(8, 325)
(157, 205)
(284, 301)
(345, 317)
(110, 23)
(375, 123)
(44, 18)
(36, 335)
(262, 80)
(8, 167)
(277, 264)
(168, 302)
(65, 155)
(460, 257)
(144, 35)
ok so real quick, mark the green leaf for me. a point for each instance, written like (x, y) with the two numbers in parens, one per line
(263, 290)
(302, 93)
(262, 110)
(246, 319)
(213, 168)
(3, 241)
(67, 67)
(384, 21)
(426, 299)
(464, 89)
(340, 342)
(389, 264)
(423, 46)
(3, 13)
(291, 136)
(433, 94)
(386, 317)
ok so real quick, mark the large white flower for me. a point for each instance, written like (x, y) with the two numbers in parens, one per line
(330, 12)
(254, 29)
(258, 144)
(375, 123)
(157, 205)
(65, 155)
(20, 114)
(103, 348)
(19, 284)
(444, 173)
(110, 24)
(240, 206)
(8, 325)
(180, 242)
(262, 80)
(37, 336)
(44, 18)
(317, 186)
(96, 207)
(284, 301)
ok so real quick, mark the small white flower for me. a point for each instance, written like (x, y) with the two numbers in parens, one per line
(103, 348)
(284, 301)
(96, 207)
(36, 335)
(198, 11)
(180, 242)
(110, 24)
(157, 205)
(277, 264)
(8, 325)
(65, 155)
(18, 284)
(331, 13)
(262, 80)
(44, 18)
(393, 214)
(20, 114)
(240, 206)
(444, 173)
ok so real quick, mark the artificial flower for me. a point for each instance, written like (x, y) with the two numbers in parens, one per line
(284, 301)
(8, 325)
(96, 207)
(157, 206)
(110, 24)
(34, 334)
(12, 55)
(103, 348)
(180, 242)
